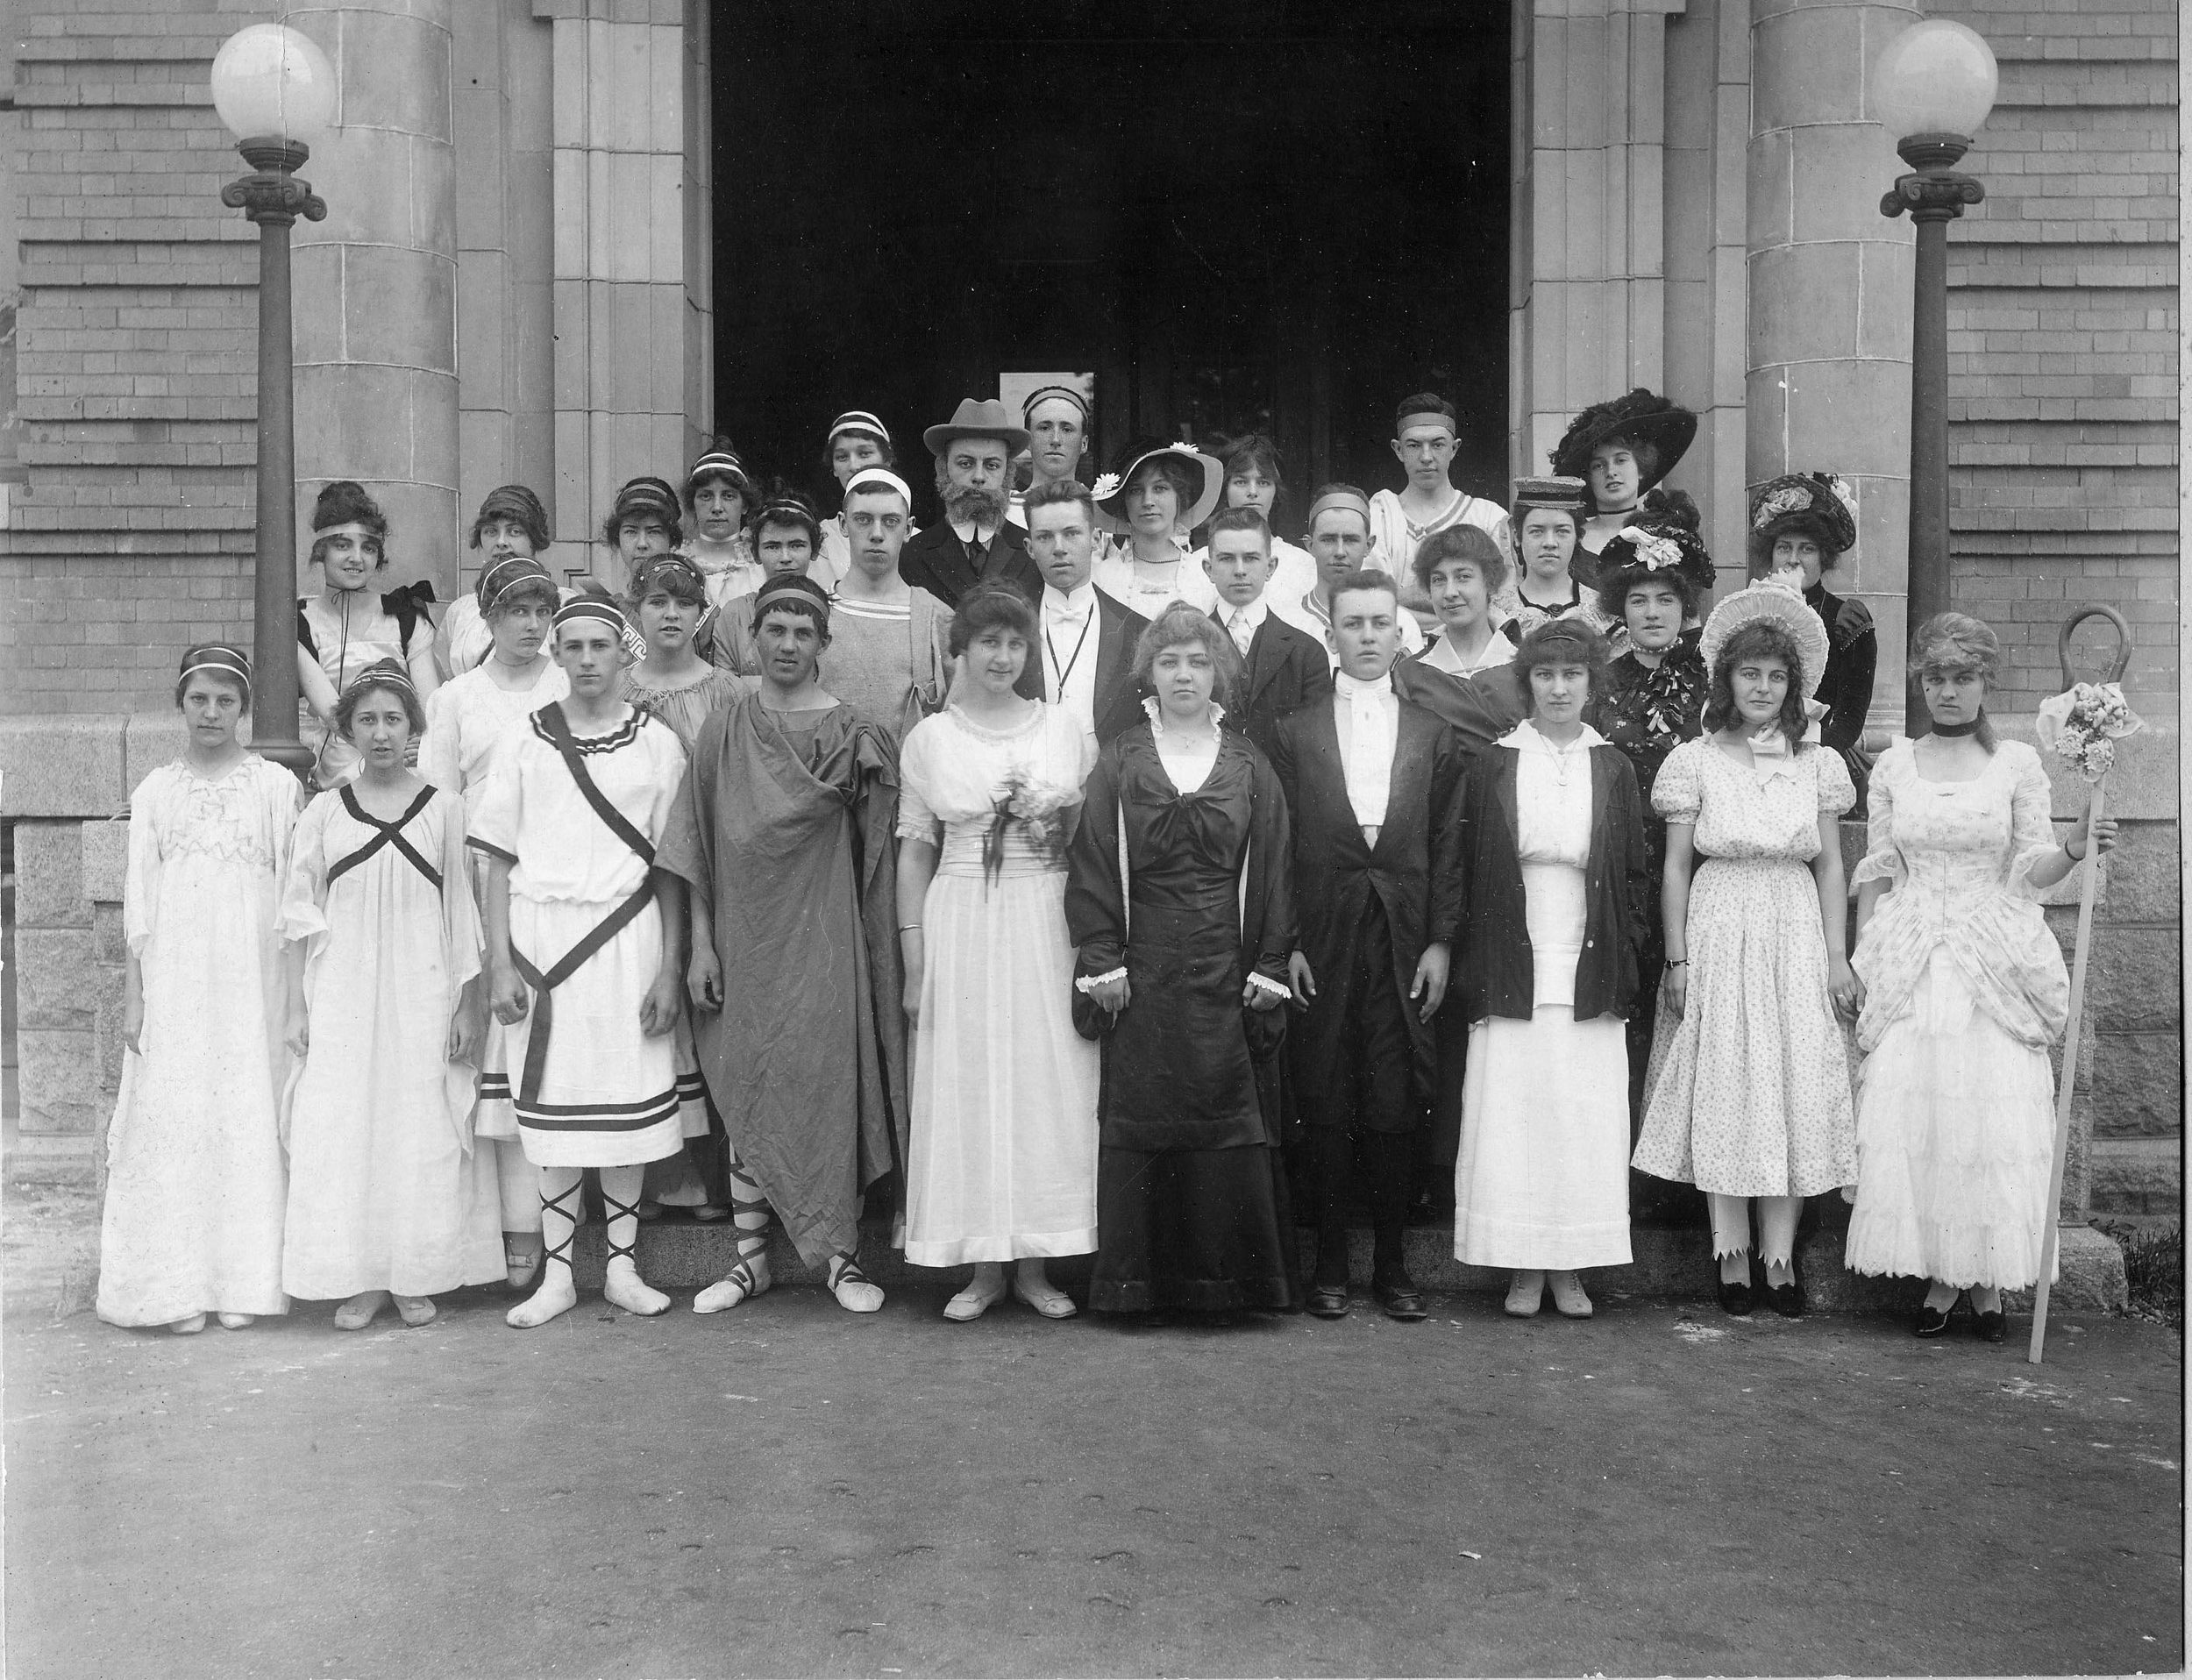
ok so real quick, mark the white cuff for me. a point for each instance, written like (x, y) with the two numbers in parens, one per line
(1088, 983)
(1264, 983)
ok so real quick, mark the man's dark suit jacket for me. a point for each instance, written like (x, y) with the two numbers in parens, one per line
(936, 560)
(1118, 696)
(1286, 670)
(1415, 872)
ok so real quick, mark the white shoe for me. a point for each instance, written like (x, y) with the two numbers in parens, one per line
(741, 1284)
(1525, 1294)
(1569, 1298)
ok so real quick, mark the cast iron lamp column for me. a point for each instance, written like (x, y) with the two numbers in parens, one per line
(1933, 85)
(274, 89)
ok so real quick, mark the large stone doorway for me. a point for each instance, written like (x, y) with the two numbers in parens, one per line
(1283, 215)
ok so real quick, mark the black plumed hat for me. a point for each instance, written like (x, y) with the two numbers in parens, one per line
(1641, 414)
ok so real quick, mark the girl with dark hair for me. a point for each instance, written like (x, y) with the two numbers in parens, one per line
(1801, 526)
(1001, 1162)
(1556, 885)
(1652, 701)
(349, 626)
(192, 1219)
(1162, 491)
(388, 1196)
(1255, 477)
(1621, 449)
(1180, 897)
(1964, 993)
(510, 528)
(719, 494)
(1750, 1086)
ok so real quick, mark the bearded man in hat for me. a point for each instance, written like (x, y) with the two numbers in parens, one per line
(975, 543)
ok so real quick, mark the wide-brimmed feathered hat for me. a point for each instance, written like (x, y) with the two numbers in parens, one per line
(1111, 508)
(1770, 599)
(1663, 538)
(1640, 414)
(1803, 504)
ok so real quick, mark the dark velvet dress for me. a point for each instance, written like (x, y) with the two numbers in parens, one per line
(1190, 1202)
(1852, 656)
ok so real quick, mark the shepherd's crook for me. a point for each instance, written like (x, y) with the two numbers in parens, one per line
(2068, 1083)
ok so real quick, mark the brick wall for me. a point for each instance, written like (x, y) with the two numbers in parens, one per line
(136, 356)
(2063, 319)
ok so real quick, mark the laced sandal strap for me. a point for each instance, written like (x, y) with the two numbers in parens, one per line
(844, 1268)
(615, 1210)
(560, 1252)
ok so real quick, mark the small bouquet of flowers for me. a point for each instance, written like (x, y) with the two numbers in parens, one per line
(2081, 727)
(1039, 807)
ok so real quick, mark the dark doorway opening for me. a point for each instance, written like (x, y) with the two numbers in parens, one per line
(1275, 216)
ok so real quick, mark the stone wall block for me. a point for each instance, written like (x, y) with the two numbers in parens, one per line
(316, 315)
(1886, 271)
(151, 740)
(62, 767)
(433, 196)
(2137, 1083)
(1877, 565)
(1800, 303)
(109, 939)
(480, 182)
(2140, 880)
(394, 69)
(1767, 176)
(2132, 977)
(49, 875)
(423, 518)
(483, 306)
(1839, 178)
(1817, 46)
(58, 1079)
(57, 982)
(1832, 402)
(353, 421)
(365, 175)
(399, 309)
(104, 854)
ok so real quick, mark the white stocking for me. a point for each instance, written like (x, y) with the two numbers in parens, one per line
(622, 1284)
(1777, 1217)
(559, 1208)
(1731, 1225)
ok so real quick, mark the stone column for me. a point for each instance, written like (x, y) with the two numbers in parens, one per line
(1827, 380)
(634, 380)
(1587, 309)
(376, 282)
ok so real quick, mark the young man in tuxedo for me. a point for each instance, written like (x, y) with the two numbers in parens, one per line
(1373, 784)
(1085, 659)
(1285, 668)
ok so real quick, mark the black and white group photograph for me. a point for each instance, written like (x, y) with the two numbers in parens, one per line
(902, 838)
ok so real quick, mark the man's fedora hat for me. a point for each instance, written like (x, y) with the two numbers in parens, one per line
(987, 418)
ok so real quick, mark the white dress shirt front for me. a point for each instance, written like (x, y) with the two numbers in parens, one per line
(1242, 623)
(1069, 630)
(1367, 716)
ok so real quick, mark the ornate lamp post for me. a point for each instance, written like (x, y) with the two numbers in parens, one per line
(275, 92)
(1932, 86)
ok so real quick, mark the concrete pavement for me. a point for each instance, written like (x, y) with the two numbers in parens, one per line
(788, 1489)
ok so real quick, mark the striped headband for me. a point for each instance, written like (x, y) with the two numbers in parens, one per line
(592, 606)
(645, 576)
(879, 478)
(794, 511)
(716, 461)
(855, 420)
(649, 493)
(486, 588)
(215, 656)
(1028, 408)
(382, 674)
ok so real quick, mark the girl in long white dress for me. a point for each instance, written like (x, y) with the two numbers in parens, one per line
(468, 720)
(1965, 990)
(1542, 1185)
(192, 1223)
(1002, 1156)
(1748, 1093)
(387, 1196)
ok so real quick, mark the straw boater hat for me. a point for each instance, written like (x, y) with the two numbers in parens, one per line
(988, 418)
(1640, 414)
(1810, 504)
(1770, 599)
(1111, 509)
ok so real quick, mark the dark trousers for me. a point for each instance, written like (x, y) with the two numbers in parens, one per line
(1367, 1093)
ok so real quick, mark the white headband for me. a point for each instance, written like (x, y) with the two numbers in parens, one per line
(879, 478)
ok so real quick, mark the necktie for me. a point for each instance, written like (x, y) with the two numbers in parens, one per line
(974, 552)
(1244, 634)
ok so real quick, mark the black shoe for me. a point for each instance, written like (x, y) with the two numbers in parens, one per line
(1327, 1300)
(1735, 1298)
(1400, 1298)
(1991, 1327)
(1931, 1320)
(1786, 1298)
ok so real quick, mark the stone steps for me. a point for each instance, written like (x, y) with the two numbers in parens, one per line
(1671, 1263)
